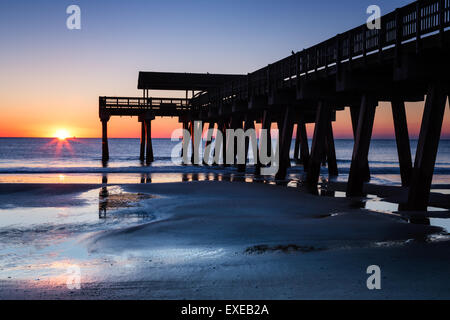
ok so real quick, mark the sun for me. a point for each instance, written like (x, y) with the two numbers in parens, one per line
(62, 134)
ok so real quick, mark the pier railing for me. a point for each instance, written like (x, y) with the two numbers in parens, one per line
(410, 23)
(152, 103)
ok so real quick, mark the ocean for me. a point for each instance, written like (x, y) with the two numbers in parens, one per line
(49, 160)
(46, 228)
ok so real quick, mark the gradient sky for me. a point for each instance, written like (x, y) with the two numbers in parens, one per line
(51, 77)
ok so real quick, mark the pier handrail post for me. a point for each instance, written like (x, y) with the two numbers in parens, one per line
(441, 21)
(398, 36)
(364, 40)
(418, 26)
(338, 57)
(351, 48)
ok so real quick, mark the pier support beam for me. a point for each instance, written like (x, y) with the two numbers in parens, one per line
(196, 131)
(235, 123)
(248, 125)
(297, 144)
(354, 113)
(427, 146)
(331, 151)
(105, 148)
(209, 135)
(189, 140)
(304, 147)
(402, 139)
(185, 142)
(266, 124)
(223, 128)
(149, 152)
(358, 168)
(285, 157)
(285, 139)
(142, 151)
(318, 145)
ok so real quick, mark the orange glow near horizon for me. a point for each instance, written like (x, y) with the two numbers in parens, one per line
(84, 123)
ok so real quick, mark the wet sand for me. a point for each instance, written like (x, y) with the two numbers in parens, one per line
(230, 240)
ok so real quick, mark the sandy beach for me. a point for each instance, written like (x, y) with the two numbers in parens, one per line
(217, 240)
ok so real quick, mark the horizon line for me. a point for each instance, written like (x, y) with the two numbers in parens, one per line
(293, 138)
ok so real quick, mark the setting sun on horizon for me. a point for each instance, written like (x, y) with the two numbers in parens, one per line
(62, 134)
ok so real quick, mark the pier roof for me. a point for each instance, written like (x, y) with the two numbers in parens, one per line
(184, 81)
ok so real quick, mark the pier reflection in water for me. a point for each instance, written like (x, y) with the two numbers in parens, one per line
(369, 201)
(113, 197)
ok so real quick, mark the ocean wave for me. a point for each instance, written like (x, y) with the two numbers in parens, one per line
(182, 169)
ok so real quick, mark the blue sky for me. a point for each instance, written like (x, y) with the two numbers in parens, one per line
(193, 36)
(53, 76)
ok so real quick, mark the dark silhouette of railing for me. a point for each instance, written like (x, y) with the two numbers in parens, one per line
(136, 106)
(144, 103)
(410, 23)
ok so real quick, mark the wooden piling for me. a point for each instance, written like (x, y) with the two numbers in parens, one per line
(218, 143)
(188, 142)
(427, 146)
(209, 135)
(266, 124)
(304, 148)
(354, 114)
(331, 151)
(361, 147)
(105, 148)
(249, 124)
(285, 139)
(318, 145)
(148, 129)
(297, 144)
(402, 139)
(224, 127)
(195, 141)
(142, 151)
(235, 123)
(285, 157)
(185, 143)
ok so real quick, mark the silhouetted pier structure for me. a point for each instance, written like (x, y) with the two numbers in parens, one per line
(404, 61)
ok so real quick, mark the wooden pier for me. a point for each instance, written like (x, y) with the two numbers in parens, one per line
(407, 60)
